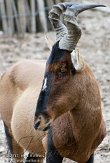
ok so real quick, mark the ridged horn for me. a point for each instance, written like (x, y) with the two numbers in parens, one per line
(54, 16)
(71, 38)
(82, 7)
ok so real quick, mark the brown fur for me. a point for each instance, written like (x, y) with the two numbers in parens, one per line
(74, 107)
(76, 133)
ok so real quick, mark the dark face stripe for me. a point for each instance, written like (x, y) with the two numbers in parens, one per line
(55, 56)
(44, 96)
(42, 103)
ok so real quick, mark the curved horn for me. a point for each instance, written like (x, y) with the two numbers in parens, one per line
(70, 40)
(54, 16)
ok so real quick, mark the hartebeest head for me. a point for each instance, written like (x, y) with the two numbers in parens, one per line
(65, 67)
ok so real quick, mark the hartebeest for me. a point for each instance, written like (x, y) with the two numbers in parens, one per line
(69, 104)
(67, 107)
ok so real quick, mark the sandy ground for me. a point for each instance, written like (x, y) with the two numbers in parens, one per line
(94, 46)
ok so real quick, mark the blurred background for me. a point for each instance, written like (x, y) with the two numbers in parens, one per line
(20, 16)
(22, 27)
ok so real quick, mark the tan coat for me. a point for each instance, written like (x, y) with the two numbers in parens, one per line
(19, 90)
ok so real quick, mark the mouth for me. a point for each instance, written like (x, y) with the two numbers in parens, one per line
(47, 127)
(40, 127)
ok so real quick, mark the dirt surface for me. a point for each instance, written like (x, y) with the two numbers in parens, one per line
(95, 48)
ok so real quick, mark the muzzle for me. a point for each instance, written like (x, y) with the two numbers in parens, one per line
(42, 123)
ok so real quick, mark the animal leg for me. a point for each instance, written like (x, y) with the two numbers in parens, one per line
(14, 150)
(18, 152)
(52, 155)
(33, 159)
(91, 159)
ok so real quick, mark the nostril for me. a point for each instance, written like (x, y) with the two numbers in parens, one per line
(36, 125)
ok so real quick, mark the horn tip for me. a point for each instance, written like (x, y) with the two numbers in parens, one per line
(102, 6)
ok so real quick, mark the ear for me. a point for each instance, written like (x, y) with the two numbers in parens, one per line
(1, 75)
(77, 60)
(49, 42)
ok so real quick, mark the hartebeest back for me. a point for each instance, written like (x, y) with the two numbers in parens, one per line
(65, 110)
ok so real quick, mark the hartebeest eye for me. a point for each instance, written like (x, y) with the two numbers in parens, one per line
(60, 74)
(62, 71)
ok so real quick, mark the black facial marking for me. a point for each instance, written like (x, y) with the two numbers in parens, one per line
(43, 97)
(8, 138)
(52, 154)
(91, 159)
(56, 54)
